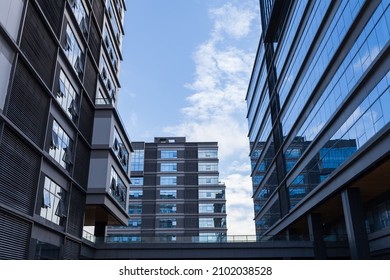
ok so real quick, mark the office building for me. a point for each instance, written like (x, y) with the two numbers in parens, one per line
(319, 127)
(175, 193)
(62, 143)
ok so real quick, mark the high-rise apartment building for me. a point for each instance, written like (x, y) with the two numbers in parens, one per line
(319, 127)
(64, 153)
(175, 193)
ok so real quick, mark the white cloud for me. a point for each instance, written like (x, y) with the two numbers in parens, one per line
(239, 205)
(233, 21)
(216, 108)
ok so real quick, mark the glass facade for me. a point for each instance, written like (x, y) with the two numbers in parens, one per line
(167, 223)
(168, 180)
(80, 12)
(207, 153)
(208, 180)
(54, 203)
(212, 208)
(135, 208)
(120, 151)
(73, 51)
(67, 97)
(168, 154)
(168, 167)
(137, 160)
(135, 194)
(212, 222)
(316, 110)
(118, 189)
(168, 194)
(61, 147)
(213, 194)
(168, 208)
(207, 166)
(137, 181)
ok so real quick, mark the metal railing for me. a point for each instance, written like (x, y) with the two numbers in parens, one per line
(133, 239)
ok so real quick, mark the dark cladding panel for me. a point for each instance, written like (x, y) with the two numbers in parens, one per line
(71, 250)
(148, 222)
(149, 193)
(28, 105)
(98, 10)
(76, 212)
(191, 208)
(150, 153)
(150, 180)
(191, 166)
(94, 42)
(90, 78)
(52, 10)
(180, 166)
(191, 180)
(19, 169)
(191, 153)
(82, 163)
(38, 45)
(191, 222)
(148, 208)
(191, 193)
(150, 167)
(86, 119)
(15, 237)
(180, 180)
(180, 154)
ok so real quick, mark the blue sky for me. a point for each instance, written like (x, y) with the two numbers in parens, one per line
(185, 72)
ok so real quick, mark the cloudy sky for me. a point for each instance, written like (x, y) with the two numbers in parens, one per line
(185, 72)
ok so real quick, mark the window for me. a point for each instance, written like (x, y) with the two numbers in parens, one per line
(135, 208)
(6, 59)
(107, 78)
(207, 153)
(120, 151)
(81, 15)
(167, 237)
(168, 167)
(135, 194)
(169, 154)
(137, 181)
(207, 166)
(113, 20)
(168, 208)
(212, 236)
(211, 194)
(118, 189)
(54, 205)
(206, 222)
(208, 180)
(293, 153)
(61, 147)
(168, 180)
(110, 48)
(168, 194)
(10, 16)
(167, 223)
(212, 208)
(67, 97)
(212, 222)
(73, 51)
(135, 223)
(137, 160)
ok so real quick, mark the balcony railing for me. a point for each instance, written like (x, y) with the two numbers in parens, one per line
(104, 101)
